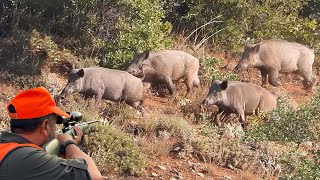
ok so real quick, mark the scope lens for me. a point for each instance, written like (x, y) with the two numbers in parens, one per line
(59, 120)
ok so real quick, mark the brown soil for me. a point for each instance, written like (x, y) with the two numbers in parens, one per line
(176, 166)
(291, 86)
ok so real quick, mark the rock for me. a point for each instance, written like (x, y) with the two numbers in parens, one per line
(198, 167)
(154, 175)
(177, 174)
(305, 147)
(161, 167)
(277, 170)
(200, 174)
(164, 135)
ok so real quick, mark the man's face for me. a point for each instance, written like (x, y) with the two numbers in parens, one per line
(52, 123)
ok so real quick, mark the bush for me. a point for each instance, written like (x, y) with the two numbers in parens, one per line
(235, 23)
(235, 155)
(114, 151)
(176, 126)
(210, 70)
(140, 27)
(285, 124)
(299, 167)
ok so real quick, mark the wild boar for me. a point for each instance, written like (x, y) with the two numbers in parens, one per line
(274, 56)
(104, 83)
(165, 67)
(240, 98)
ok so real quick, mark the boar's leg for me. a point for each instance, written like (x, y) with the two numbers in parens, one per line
(99, 98)
(189, 84)
(168, 82)
(139, 105)
(308, 78)
(273, 78)
(242, 118)
(99, 91)
(192, 82)
(264, 74)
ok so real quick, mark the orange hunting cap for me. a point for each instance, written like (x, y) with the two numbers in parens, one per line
(33, 103)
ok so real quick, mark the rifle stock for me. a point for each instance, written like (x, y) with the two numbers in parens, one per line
(53, 147)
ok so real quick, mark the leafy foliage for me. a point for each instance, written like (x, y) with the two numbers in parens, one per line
(286, 124)
(234, 23)
(139, 28)
(210, 70)
(114, 150)
(300, 167)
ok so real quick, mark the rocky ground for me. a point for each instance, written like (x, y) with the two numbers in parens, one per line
(176, 165)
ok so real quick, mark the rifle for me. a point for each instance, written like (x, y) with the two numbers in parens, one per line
(53, 147)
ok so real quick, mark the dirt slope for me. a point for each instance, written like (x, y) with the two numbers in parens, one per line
(175, 167)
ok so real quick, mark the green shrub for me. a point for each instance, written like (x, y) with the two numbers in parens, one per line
(300, 167)
(210, 70)
(176, 126)
(234, 155)
(235, 23)
(286, 124)
(114, 151)
(140, 27)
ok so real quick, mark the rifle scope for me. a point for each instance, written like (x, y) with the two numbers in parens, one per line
(75, 117)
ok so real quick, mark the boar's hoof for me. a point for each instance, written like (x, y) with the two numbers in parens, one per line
(244, 125)
(275, 83)
(309, 84)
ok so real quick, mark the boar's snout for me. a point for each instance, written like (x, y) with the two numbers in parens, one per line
(240, 68)
(205, 102)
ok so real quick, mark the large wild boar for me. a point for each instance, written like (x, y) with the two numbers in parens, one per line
(239, 98)
(103, 83)
(165, 67)
(274, 56)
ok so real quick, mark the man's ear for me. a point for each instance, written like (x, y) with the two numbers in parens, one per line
(45, 126)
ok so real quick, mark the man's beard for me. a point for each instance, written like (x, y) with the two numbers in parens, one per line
(52, 134)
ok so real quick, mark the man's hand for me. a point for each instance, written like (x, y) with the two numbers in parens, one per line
(79, 134)
(63, 138)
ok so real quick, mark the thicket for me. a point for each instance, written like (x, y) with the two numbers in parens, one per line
(112, 31)
(229, 24)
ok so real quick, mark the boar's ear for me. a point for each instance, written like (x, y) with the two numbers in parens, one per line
(146, 54)
(256, 48)
(80, 73)
(224, 85)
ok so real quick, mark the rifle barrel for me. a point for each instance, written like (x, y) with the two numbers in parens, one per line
(89, 122)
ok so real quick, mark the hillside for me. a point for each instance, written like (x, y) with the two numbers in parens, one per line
(167, 158)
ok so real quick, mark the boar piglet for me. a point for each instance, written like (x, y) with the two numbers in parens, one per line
(104, 83)
(272, 57)
(239, 98)
(165, 67)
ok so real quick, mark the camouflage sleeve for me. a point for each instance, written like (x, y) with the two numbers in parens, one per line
(31, 163)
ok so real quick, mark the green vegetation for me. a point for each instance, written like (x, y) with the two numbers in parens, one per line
(139, 28)
(300, 167)
(210, 70)
(231, 24)
(287, 124)
(114, 150)
(112, 31)
(41, 36)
